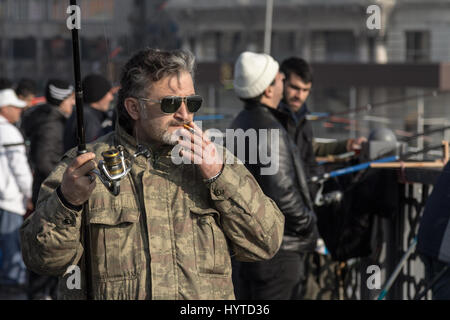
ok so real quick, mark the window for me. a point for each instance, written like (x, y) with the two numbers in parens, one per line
(30, 10)
(417, 46)
(192, 44)
(209, 48)
(100, 10)
(24, 48)
(57, 10)
(283, 44)
(237, 43)
(36, 10)
(58, 48)
(18, 9)
(94, 49)
(218, 38)
(340, 46)
(3, 9)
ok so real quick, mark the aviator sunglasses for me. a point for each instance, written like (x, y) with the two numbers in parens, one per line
(172, 103)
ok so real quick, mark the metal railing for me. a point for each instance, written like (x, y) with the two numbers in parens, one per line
(394, 236)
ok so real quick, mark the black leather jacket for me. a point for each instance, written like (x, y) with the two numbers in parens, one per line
(288, 187)
(43, 126)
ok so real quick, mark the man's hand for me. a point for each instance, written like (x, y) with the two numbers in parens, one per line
(355, 144)
(200, 150)
(76, 185)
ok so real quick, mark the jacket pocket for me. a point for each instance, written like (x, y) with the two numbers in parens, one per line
(210, 245)
(116, 244)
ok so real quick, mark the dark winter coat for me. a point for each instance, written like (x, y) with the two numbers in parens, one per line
(434, 231)
(44, 129)
(288, 187)
(96, 124)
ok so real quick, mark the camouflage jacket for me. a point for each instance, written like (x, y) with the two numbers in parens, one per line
(167, 235)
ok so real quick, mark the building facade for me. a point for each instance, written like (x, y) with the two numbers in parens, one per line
(319, 30)
(324, 31)
(35, 41)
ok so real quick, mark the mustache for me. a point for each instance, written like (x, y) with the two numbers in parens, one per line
(177, 123)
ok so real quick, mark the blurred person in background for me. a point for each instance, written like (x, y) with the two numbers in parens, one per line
(259, 84)
(5, 83)
(15, 195)
(26, 91)
(97, 98)
(433, 238)
(297, 87)
(44, 128)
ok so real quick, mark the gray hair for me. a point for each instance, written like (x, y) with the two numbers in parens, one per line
(144, 68)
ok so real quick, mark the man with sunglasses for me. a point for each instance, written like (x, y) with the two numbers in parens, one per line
(170, 231)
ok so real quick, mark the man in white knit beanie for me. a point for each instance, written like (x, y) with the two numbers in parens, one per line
(259, 84)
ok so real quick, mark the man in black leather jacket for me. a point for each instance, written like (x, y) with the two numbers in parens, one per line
(259, 84)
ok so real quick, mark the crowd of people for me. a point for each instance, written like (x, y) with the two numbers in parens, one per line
(35, 133)
(211, 229)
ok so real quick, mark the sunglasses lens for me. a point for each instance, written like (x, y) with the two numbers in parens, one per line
(170, 104)
(194, 103)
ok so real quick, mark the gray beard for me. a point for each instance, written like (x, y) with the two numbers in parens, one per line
(169, 138)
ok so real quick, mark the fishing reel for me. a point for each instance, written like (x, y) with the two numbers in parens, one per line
(114, 167)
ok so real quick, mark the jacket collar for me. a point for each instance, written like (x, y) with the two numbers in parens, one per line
(160, 154)
(296, 116)
(278, 113)
(253, 105)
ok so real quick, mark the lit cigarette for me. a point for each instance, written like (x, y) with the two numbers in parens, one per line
(191, 130)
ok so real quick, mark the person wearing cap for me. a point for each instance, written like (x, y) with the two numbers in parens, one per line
(97, 98)
(15, 193)
(259, 84)
(44, 128)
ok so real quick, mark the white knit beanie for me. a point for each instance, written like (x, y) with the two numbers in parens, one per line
(253, 73)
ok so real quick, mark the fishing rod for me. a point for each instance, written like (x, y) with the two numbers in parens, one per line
(347, 170)
(425, 133)
(81, 150)
(393, 277)
(371, 106)
(365, 165)
(111, 170)
(397, 270)
(350, 154)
